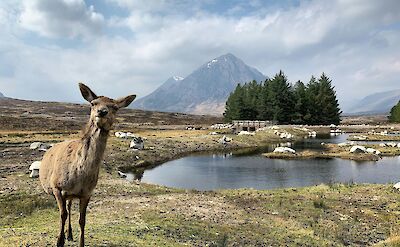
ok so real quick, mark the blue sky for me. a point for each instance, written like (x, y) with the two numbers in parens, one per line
(132, 46)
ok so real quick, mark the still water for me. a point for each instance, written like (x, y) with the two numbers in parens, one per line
(251, 170)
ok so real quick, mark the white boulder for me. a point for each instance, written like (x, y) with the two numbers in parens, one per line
(34, 168)
(243, 132)
(373, 151)
(398, 145)
(224, 140)
(40, 146)
(137, 143)
(332, 126)
(284, 150)
(391, 144)
(312, 134)
(382, 145)
(397, 186)
(358, 149)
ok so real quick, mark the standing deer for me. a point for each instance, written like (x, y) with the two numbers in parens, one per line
(70, 169)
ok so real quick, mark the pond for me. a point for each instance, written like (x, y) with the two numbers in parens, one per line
(251, 170)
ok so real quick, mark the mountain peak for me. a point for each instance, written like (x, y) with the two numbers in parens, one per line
(205, 90)
(177, 78)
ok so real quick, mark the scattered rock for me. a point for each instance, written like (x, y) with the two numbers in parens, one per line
(312, 134)
(397, 186)
(224, 140)
(358, 149)
(243, 132)
(40, 146)
(137, 143)
(284, 150)
(391, 144)
(213, 133)
(382, 145)
(34, 168)
(373, 151)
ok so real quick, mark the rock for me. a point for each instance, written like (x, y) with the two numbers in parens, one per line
(358, 149)
(34, 168)
(121, 174)
(382, 145)
(336, 131)
(284, 150)
(343, 144)
(373, 151)
(213, 133)
(224, 140)
(332, 126)
(129, 134)
(137, 143)
(312, 134)
(398, 145)
(243, 132)
(360, 137)
(40, 146)
(391, 144)
(285, 135)
(120, 134)
(397, 186)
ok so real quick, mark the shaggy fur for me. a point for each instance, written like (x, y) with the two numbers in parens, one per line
(70, 169)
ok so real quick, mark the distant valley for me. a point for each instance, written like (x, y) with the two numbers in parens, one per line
(376, 103)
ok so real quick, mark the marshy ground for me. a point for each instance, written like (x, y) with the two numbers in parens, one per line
(123, 213)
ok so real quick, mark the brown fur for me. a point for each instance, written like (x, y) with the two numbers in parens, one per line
(70, 169)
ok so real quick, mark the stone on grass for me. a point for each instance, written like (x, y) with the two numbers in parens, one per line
(243, 132)
(397, 186)
(373, 151)
(34, 168)
(137, 143)
(284, 150)
(358, 149)
(40, 146)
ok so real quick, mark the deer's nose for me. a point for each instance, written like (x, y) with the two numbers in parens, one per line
(102, 112)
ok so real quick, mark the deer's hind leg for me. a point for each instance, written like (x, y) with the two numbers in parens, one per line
(61, 202)
(69, 229)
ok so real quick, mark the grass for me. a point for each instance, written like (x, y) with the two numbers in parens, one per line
(125, 214)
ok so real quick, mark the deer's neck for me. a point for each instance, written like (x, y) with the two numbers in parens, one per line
(94, 142)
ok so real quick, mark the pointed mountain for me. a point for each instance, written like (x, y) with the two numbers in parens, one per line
(204, 91)
(1, 95)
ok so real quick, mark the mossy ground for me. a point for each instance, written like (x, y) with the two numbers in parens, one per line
(128, 214)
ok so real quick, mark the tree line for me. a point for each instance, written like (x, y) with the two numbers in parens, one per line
(277, 100)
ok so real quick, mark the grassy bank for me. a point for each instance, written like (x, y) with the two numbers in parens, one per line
(126, 214)
(335, 151)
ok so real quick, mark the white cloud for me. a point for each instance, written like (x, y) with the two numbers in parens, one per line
(61, 18)
(355, 43)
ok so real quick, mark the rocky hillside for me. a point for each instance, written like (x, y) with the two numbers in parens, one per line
(204, 91)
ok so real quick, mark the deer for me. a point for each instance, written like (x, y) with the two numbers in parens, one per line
(70, 169)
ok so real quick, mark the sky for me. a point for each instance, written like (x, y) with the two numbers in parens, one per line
(120, 47)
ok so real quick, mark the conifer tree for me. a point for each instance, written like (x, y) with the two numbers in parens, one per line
(301, 110)
(329, 106)
(395, 113)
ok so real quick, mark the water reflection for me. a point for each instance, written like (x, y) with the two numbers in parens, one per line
(231, 170)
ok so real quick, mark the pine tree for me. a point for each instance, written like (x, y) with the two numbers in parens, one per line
(234, 104)
(330, 111)
(301, 103)
(281, 98)
(395, 113)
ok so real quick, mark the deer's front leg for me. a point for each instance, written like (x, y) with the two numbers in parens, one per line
(82, 218)
(69, 229)
(61, 202)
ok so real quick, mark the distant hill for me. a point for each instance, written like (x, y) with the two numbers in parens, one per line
(1, 95)
(377, 103)
(204, 91)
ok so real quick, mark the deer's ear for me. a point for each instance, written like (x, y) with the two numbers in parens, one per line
(125, 101)
(87, 93)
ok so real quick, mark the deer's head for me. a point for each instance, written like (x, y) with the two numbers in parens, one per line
(104, 109)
